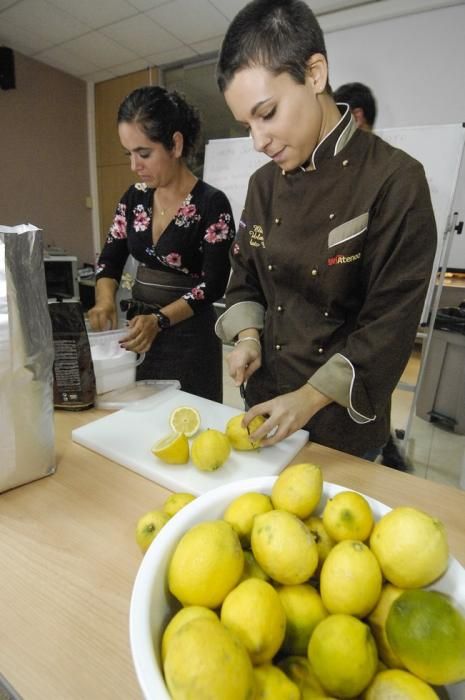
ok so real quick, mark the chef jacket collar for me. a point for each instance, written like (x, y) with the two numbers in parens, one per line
(335, 140)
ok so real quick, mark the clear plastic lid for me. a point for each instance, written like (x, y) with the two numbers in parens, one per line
(139, 396)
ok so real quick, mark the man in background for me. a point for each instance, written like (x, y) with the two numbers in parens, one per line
(362, 104)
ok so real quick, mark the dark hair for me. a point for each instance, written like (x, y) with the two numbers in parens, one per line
(160, 113)
(280, 35)
(358, 95)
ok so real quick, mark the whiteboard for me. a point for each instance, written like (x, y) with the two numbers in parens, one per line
(229, 163)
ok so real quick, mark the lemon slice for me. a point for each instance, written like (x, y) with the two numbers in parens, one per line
(172, 449)
(185, 419)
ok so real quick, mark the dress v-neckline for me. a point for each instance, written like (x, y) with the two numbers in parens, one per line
(186, 199)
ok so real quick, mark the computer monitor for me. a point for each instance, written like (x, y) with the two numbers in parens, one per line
(61, 276)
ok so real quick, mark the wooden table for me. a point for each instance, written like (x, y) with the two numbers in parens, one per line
(69, 559)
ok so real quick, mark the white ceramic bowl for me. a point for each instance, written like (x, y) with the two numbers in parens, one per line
(152, 605)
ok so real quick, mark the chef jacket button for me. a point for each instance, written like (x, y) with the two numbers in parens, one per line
(279, 308)
(277, 347)
(277, 221)
(331, 216)
(345, 163)
(321, 350)
(326, 314)
(271, 267)
(314, 272)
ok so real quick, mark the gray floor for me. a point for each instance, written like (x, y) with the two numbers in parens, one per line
(433, 452)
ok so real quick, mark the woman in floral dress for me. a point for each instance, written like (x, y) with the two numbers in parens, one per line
(180, 230)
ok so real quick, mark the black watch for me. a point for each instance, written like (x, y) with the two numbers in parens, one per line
(163, 320)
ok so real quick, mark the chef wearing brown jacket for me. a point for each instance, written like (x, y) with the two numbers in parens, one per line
(334, 249)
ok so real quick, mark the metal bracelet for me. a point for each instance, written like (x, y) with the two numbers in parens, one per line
(248, 337)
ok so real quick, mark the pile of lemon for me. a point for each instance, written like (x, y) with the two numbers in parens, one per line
(210, 448)
(278, 603)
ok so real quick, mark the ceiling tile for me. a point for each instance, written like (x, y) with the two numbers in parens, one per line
(190, 21)
(130, 67)
(44, 20)
(166, 57)
(229, 8)
(322, 6)
(20, 39)
(141, 35)
(208, 46)
(96, 14)
(101, 50)
(98, 76)
(65, 60)
(144, 5)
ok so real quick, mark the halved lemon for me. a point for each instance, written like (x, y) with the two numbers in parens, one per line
(172, 449)
(185, 419)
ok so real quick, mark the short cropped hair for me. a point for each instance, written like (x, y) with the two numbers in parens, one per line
(160, 114)
(280, 35)
(358, 95)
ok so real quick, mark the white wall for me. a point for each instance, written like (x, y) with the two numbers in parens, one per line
(415, 66)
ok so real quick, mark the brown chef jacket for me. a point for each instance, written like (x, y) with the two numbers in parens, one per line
(332, 265)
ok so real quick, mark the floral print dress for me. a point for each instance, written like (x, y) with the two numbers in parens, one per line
(194, 246)
(195, 243)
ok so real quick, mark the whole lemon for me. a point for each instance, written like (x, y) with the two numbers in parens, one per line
(343, 655)
(304, 610)
(427, 633)
(251, 568)
(348, 516)
(284, 547)
(206, 564)
(239, 437)
(350, 579)
(377, 621)
(398, 684)
(241, 512)
(254, 613)
(210, 450)
(272, 684)
(299, 670)
(175, 502)
(324, 541)
(298, 489)
(411, 547)
(177, 621)
(148, 527)
(204, 660)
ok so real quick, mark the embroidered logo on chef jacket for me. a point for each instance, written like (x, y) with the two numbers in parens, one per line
(256, 238)
(341, 259)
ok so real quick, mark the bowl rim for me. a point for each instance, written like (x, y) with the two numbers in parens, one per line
(145, 657)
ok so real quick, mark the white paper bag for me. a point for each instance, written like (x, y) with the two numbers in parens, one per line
(26, 360)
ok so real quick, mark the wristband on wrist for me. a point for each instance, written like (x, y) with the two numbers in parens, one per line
(163, 320)
(248, 337)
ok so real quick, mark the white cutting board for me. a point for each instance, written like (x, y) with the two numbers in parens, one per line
(126, 437)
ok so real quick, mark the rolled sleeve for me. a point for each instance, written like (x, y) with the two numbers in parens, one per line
(336, 379)
(245, 314)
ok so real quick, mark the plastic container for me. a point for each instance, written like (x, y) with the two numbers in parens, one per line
(139, 396)
(114, 367)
